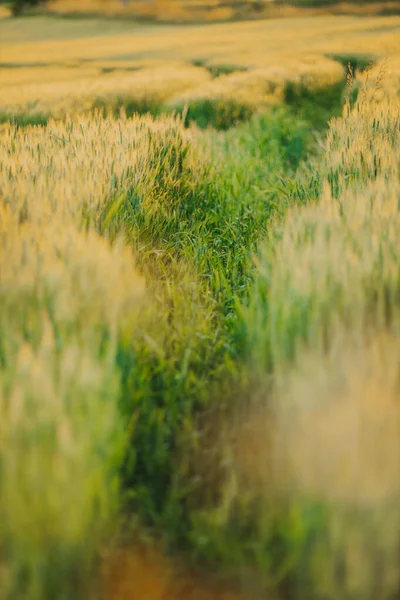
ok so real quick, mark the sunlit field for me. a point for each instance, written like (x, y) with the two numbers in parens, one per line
(200, 309)
(229, 71)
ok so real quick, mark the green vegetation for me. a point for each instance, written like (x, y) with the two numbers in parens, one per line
(194, 213)
(322, 318)
(17, 6)
(199, 316)
(212, 218)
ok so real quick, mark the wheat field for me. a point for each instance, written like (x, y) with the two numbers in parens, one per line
(171, 67)
(200, 309)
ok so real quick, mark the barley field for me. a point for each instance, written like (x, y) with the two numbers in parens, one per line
(200, 309)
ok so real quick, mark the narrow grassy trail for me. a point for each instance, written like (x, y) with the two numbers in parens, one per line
(244, 179)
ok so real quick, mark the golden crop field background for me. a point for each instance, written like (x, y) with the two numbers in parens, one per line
(172, 66)
(199, 309)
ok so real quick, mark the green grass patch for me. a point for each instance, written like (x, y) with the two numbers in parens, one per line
(25, 120)
(356, 62)
(129, 104)
(196, 240)
(218, 113)
(317, 106)
(216, 70)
